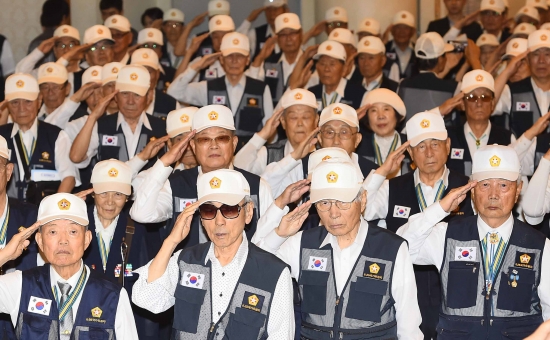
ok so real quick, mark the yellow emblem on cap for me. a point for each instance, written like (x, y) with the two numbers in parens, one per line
(213, 115)
(425, 124)
(479, 77)
(298, 96)
(173, 14)
(49, 70)
(65, 30)
(64, 204)
(218, 5)
(218, 22)
(114, 20)
(329, 47)
(515, 45)
(150, 34)
(94, 73)
(45, 155)
(20, 84)
(253, 300)
(367, 23)
(366, 43)
(96, 312)
(184, 118)
(522, 28)
(285, 20)
(492, 2)
(332, 177)
(525, 258)
(483, 38)
(235, 41)
(337, 110)
(403, 15)
(215, 183)
(494, 161)
(145, 55)
(114, 70)
(133, 76)
(374, 268)
(326, 157)
(335, 34)
(336, 12)
(543, 37)
(525, 10)
(99, 31)
(113, 172)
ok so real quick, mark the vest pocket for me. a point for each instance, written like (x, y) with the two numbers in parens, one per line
(365, 299)
(187, 308)
(517, 299)
(245, 324)
(521, 122)
(250, 119)
(314, 291)
(94, 334)
(36, 323)
(462, 282)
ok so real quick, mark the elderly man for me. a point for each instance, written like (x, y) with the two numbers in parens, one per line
(354, 278)
(100, 42)
(178, 126)
(491, 266)
(152, 38)
(121, 33)
(227, 288)
(109, 75)
(371, 59)
(368, 27)
(63, 296)
(493, 19)
(172, 27)
(401, 60)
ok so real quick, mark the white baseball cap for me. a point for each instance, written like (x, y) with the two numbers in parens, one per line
(387, 97)
(476, 79)
(222, 23)
(404, 18)
(21, 86)
(133, 78)
(118, 22)
(425, 125)
(431, 46)
(287, 20)
(173, 14)
(341, 112)
(492, 5)
(321, 155)
(224, 186)
(524, 28)
(335, 180)
(97, 33)
(218, 7)
(537, 4)
(146, 57)
(52, 73)
(112, 175)
(528, 11)
(275, 3)
(213, 116)
(369, 25)
(332, 49)
(67, 31)
(495, 161)
(110, 72)
(545, 26)
(538, 39)
(487, 39)
(515, 47)
(92, 75)
(343, 36)
(371, 45)
(4, 151)
(153, 35)
(180, 121)
(63, 206)
(298, 97)
(336, 14)
(235, 42)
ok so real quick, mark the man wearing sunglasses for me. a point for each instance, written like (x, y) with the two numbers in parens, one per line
(227, 287)
(100, 43)
(152, 38)
(341, 266)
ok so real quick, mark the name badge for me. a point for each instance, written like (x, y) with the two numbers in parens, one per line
(109, 141)
(185, 202)
(206, 50)
(391, 55)
(39, 306)
(192, 280)
(401, 212)
(457, 153)
(317, 263)
(220, 100)
(127, 271)
(272, 73)
(44, 175)
(523, 106)
(211, 74)
(465, 253)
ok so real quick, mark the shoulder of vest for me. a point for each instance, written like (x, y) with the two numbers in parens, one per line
(49, 128)
(389, 46)
(313, 237)
(255, 82)
(22, 207)
(316, 89)
(157, 124)
(165, 99)
(528, 232)
(429, 81)
(5, 130)
(523, 85)
(403, 137)
(108, 119)
(266, 259)
(502, 131)
(185, 173)
(456, 179)
(389, 84)
(402, 180)
(248, 175)
(195, 254)
(261, 28)
(37, 272)
(354, 89)
(388, 235)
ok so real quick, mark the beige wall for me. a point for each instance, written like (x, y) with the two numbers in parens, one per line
(20, 23)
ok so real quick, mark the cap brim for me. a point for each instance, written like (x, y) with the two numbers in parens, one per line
(339, 194)
(470, 88)
(120, 28)
(448, 48)
(539, 46)
(95, 41)
(151, 65)
(177, 132)
(292, 27)
(21, 95)
(54, 80)
(229, 51)
(349, 122)
(319, 55)
(429, 135)
(100, 188)
(225, 198)
(371, 51)
(5, 155)
(83, 222)
(139, 90)
(507, 175)
(202, 128)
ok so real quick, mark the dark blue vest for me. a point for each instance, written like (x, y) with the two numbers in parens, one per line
(393, 58)
(275, 77)
(261, 31)
(353, 95)
(525, 108)
(356, 77)
(163, 105)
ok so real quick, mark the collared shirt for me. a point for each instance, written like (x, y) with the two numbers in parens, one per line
(174, 60)
(403, 281)
(106, 233)
(158, 296)
(2, 220)
(403, 56)
(339, 92)
(259, 72)
(373, 84)
(471, 138)
(385, 143)
(10, 296)
(504, 104)
(253, 155)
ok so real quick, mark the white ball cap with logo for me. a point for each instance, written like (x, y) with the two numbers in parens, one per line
(4, 151)
(333, 179)
(218, 7)
(110, 72)
(146, 57)
(67, 31)
(431, 46)
(492, 5)
(52, 73)
(287, 20)
(150, 35)
(371, 45)
(97, 33)
(343, 36)
(388, 97)
(476, 79)
(173, 14)
(118, 22)
(92, 75)
(524, 28)
(537, 4)
(224, 186)
(21, 86)
(425, 125)
(336, 14)
(403, 18)
(112, 175)
(235, 42)
(369, 25)
(528, 11)
(133, 78)
(180, 121)
(275, 3)
(321, 155)
(495, 161)
(213, 116)
(298, 97)
(538, 39)
(340, 112)
(515, 47)
(63, 206)
(221, 23)
(331, 49)
(487, 39)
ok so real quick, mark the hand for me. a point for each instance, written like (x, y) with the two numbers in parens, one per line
(450, 104)
(132, 48)
(196, 43)
(542, 333)
(254, 14)
(317, 29)
(300, 80)
(183, 224)
(453, 59)
(75, 52)
(176, 151)
(539, 127)
(292, 193)
(206, 61)
(198, 20)
(292, 222)
(157, 23)
(82, 194)
(362, 111)
(349, 64)
(515, 63)
(47, 45)
(266, 51)
(310, 52)
(473, 54)
(393, 162)
(99, 110)
(270, 127)
(453, 199)
(152, 148)
(18, 243)
(305, 146)
(386, 36)
(467, 20)
(84, 92)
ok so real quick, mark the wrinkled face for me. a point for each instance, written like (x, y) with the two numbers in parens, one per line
(53, 94)
(371, 65)
(402, 34)
(340, 222)
(430, 155)
(24, 111)
(331, 70)
(94, 98)
(271, 13)
(454, 6)
(331, 26)
(522, 72)
(299, 121)
(479, 110)
(486, 52)
(188, 158)
(172, 29)
(217, 39)
(495, 198)
(6, 169)
(338, 134)
(224, 232)
(63, 242)
(382, 119)
(109, 204)
(491, 20)
(131, 104)
(539, 62)
(100, 53)
(64, 45)
(107, 89)
(289, 40)
(235, 63)
(122, 40)
(214, 147)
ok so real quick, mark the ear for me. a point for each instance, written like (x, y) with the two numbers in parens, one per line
(67, 89)
(518, 190)
(87, 239)
(409, 150)
(9, 171)
(248, 60)
(283, 121)
(363, 201)
(38, 238)
(358, 138)
(448, 145)
(235, 142)
(222, 61)
(249, 209)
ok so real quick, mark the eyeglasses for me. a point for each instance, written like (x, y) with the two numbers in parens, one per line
(153, 46)
(336, 24)
(343, 134)
(325, 205)
(209, 211)
(474, 99)
(220, 140)
(100, 47)
(174, 25)
(51, 87)
(64, 46)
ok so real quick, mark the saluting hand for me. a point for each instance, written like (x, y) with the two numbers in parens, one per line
(539, 127)
(176, 151)
(82, 194)
(99, 110)
(292, 222)
(206, 61)
(18, 243)
(47, 45)
(292, 193)
(84, 92)
(183, 224)
(452, 200)
(152, 148)
(542, 333)
(270, 127)
(362, 111)
(305, 146)
(393, 162)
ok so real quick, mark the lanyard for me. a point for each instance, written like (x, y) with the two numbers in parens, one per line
(4, 229)
(493, 258)
(422, 200)
(103, 251)
(26, 152)
(478, 141)
(332, 101)
(377, 149)
(69, 302)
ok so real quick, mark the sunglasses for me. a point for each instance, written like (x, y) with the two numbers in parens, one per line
(220, 140)
(209, 211)
(474, 99)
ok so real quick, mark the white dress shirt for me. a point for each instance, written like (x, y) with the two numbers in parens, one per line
(158, 296)
(471, 139)
(2, 219)
(504, 104)
(253, 155)
(373, 84)
(427, 244)
(403, 281)
(259, 72)
(106, 233)
(536, 200)
(10, 296)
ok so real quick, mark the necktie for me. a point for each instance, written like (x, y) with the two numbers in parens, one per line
(66, 325)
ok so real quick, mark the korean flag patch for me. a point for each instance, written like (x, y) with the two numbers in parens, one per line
(272, 73)
(219, 100)
(457, 153)
(465, 253)
(185, 202)
(206, 50)
(211, 74)
(192, 280)
(401, 212)
(317, 263)
(39, 306)
(523, 106)
(109, 141)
